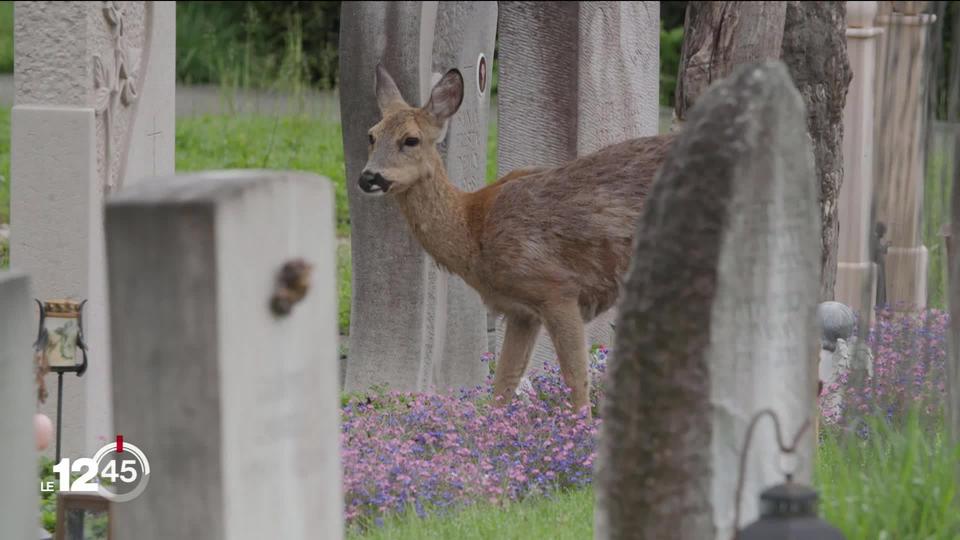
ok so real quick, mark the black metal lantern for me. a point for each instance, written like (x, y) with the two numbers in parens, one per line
(789, 512)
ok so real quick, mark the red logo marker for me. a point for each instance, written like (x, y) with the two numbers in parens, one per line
(119, 443)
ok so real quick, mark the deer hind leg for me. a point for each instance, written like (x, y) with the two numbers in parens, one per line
(565, 325)
(518, 341)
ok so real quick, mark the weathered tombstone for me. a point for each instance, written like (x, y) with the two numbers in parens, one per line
(18, 499)
(574, 77)
(235, 406)
(81, 126)
(718, 318)
(412, 326)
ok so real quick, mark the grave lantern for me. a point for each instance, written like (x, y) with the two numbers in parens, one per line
(788, 511)
(60, 345)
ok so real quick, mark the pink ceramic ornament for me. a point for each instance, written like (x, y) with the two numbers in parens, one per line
(42, 430)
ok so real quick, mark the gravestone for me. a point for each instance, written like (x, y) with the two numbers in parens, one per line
(574, 77)
(236, 406)
(856, 283)
(718, 318)
(412, 326)
(18, 498)
(81, 127)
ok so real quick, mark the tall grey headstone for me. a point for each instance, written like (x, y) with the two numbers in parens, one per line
(81, 127)
(18, 459)
(412, 326)
(574, 77)
(718, 319)
(236, 407)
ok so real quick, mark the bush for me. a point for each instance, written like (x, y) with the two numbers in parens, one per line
(258, 44)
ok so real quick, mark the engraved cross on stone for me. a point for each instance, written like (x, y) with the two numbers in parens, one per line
(153, 137)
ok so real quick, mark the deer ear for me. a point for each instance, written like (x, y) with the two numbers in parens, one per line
(388, 95)
(446, 96)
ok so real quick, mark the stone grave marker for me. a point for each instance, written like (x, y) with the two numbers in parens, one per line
(236, 406)
(718, 318)
(81, 127)
(18, 458)
(412, 326)
(574, 77)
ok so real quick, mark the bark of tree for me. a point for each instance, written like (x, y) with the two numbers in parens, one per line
(810, 38)
(717, 36)
(815, 52)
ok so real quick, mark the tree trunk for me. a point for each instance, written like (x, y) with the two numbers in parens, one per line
(717, 36)
(810, 37)
(815, 52)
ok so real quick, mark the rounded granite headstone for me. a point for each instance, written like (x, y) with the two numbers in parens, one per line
(837, 321)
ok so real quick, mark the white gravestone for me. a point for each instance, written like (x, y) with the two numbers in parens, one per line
(18, 458)
(236, 407)
(94, 94)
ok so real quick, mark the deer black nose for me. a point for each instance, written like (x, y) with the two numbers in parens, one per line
(371, 182)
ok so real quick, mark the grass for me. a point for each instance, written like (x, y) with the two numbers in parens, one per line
(566, 515)
(936, 212)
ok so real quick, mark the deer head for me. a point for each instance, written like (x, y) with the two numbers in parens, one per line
(403, 147)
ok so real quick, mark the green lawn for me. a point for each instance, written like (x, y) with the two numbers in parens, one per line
(566, 516)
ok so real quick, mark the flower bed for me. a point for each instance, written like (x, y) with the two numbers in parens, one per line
(909, 373)
(433, 452)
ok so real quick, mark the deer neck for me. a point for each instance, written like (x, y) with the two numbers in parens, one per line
(435, 212)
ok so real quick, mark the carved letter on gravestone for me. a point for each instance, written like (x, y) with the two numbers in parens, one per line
(412, 326)
(718, 318)
(574, 77)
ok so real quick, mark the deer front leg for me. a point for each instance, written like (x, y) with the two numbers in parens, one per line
(518, 341)
(565, 325)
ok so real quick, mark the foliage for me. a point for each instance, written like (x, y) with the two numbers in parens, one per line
(6, 36)
(258, 43)
(909, 374)
(901, 482)
(48, 499)
(433, 453)
(671, 43)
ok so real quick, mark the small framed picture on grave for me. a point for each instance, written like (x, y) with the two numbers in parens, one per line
(82, 516)
(60, 337)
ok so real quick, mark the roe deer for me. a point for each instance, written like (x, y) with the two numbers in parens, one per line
(542, 245)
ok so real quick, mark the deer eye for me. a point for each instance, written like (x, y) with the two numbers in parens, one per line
(372, 140)
(411, 141)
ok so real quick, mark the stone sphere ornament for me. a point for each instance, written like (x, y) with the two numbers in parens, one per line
(42, 431)
(837, 321)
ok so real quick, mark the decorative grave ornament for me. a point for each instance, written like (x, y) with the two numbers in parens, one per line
(60, 348)
(788, 511)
